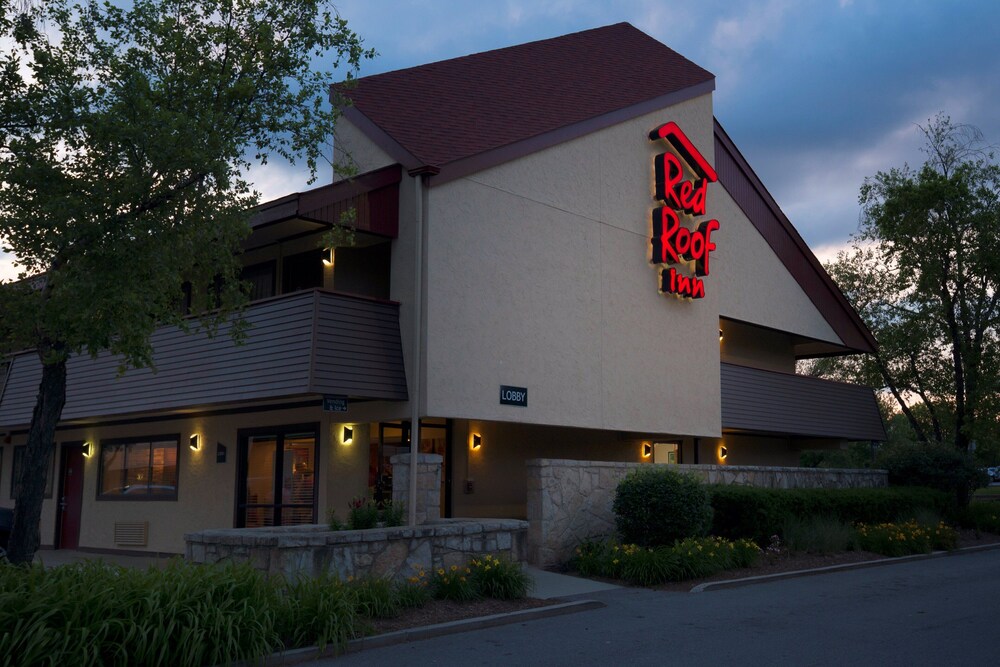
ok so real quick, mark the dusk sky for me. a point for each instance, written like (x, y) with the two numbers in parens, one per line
(817, 94)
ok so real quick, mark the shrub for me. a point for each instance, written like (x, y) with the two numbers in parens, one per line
(981, 516)
(755, 513)
(498, 578)
(934, 466)
(375, 597)
(823, 535)
(655, 506)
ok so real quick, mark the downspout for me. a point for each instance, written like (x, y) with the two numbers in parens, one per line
(420, 174)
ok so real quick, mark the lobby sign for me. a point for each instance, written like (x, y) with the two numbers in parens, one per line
(513, 395)
(673, 243)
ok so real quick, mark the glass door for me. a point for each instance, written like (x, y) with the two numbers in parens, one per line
(277, 484)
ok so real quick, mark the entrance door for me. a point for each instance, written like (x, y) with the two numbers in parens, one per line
(70, 496)
(278, 482)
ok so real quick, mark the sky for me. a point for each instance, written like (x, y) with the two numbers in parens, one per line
(817, 94)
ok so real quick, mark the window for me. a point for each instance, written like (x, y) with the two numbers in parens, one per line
(139, 469)
(666, 452)
(15, 468)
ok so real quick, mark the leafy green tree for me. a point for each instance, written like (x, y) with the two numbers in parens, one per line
(126, 133)
(924, 274)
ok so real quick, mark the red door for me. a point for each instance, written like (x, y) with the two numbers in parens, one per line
(70, 497)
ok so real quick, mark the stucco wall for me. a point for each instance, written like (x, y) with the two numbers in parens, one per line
(206, 493)
(538, 276)
(753, 285)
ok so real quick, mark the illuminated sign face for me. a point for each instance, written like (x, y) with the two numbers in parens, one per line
(672, 242)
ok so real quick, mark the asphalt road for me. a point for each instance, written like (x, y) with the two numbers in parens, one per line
(942, 611)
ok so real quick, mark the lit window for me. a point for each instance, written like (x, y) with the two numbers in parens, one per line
(139, 469)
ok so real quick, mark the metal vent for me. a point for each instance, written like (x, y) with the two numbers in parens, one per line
(131, 533)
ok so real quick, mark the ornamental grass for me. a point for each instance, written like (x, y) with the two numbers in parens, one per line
(94, 613)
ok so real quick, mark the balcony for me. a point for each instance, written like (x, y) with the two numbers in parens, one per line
(767, 402)
(305, 343)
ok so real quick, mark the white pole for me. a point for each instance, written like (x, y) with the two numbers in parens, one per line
(418, 288)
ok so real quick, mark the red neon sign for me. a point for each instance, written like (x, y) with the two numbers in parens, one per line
(671, 242)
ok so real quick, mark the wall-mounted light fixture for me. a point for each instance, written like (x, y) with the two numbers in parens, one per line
(88, 449)
(723, 452)
(647, 450)
(348, 435)
(328, 256)
(720, 334)
(477, 441)
(194, 442)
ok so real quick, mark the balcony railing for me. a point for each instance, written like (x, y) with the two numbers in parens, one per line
(312, 342)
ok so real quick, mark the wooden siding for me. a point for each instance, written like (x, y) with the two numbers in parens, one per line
(761, 401)
(303, 343)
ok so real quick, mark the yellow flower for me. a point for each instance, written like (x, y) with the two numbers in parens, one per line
(454, 567)
(614, 562)
(350, 579)
(486, 569)
(462, 579)
(422, 573)
(441, 571)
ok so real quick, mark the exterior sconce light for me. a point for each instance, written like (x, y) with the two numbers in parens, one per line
(88, 449)
(647, 450)
(723, 452)
(194, 442)
(477, 441)
(348, 435)
(328, 257)
(720, 335)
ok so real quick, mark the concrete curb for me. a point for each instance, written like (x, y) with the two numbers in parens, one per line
(311, 653)
(767, 578)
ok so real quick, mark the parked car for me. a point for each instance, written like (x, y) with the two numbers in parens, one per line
(994, 473)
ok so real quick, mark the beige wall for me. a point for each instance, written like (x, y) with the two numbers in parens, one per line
(753, 285)
(538, 276)
(206, 493)
(353, 150)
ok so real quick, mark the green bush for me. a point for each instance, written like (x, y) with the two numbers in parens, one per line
(393, 513)
(981, 516)
(823, 535)
(318, 611)
(757, 514)
(656, 506)
(934, 466)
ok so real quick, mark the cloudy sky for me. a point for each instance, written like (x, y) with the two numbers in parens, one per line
(817, 94)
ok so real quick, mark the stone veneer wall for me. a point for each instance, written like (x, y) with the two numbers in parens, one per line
(380, 552)
(428, 484)
(570, 501)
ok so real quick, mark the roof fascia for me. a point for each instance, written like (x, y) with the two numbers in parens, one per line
(867, 342)
(381, 138)
(481, 161)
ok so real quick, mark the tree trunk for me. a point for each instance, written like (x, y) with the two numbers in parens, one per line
(29, 488)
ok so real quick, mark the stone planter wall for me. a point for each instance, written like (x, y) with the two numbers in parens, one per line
(570, 501)
(379, 552)
(428, 484)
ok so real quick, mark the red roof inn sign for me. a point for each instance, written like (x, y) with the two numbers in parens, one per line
(671, 242)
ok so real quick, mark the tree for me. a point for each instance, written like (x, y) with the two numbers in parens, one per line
(924, 274)
(125, 136)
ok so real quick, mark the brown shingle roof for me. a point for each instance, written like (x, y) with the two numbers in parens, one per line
(455, 109)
